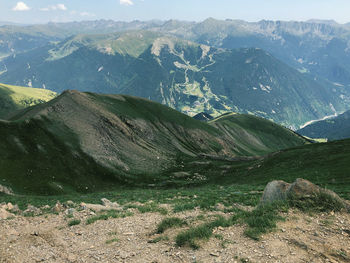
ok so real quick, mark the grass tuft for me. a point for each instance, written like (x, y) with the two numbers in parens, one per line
(110, 241)
(170, 222)
(260, 221)
(74, 222)
(108, 214)
(158, 239)
(202, 232)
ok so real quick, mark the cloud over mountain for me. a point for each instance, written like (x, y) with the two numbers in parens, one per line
(60, 7)
(21, 6)
(126, 2)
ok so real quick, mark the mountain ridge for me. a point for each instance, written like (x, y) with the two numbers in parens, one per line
(334, 128)
(128, 140)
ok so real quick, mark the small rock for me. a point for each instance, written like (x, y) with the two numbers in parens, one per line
(58, 207)
(220, 207)
(15, 209)
(214, 254)
(45, 207)
(5, 214)
(9, 206)
(109, 204)
(32, 210)
(70, 203)
(70, 211)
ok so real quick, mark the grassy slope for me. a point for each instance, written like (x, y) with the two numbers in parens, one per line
(139, 141)
(232, 182)
(14, 97)
(326, 164)
(34, 160)
(257, 135)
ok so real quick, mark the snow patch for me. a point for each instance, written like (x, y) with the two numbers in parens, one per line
(265, 88)
(338, 84)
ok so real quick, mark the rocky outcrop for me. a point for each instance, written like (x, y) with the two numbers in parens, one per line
(300, 189)
(4, 214)
(5, 190)
(106, 205)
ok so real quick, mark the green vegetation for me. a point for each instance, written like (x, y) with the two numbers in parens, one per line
(202, 232)
(170, 222)
(321, 202)
(13, 98)
(255, 132)
(148, 144)
(74, 222)
(158, 239)
(262, 219)
(113, 240)
(106, 215)
(152, 208)
(259, 221)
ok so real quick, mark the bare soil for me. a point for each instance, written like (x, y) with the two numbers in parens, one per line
(48, 238)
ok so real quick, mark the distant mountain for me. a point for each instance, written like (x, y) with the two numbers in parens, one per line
(189, 77)
(316, 46)
(13, 98)
(15, 39)
(336, 128)
(87, 142)
(203, 116)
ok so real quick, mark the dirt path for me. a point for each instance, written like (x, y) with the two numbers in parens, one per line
(301, 238)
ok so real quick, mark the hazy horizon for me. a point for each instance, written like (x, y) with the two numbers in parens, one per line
(40, 12)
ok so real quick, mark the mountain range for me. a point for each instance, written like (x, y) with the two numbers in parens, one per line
(316, 46)
(184, 75)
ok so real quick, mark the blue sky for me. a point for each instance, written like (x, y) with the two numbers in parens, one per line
(41, 11)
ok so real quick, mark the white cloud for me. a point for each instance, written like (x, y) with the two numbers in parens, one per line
(126, 2)
(86, 14)
(21, 6)
(59, 7)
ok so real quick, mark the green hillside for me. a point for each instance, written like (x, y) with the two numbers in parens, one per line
(326, 164)
(116, 140)
(336, 128)
(13, 98)
(255, 134)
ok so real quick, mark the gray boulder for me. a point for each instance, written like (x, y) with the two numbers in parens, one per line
(300, 189)
(275, 191)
